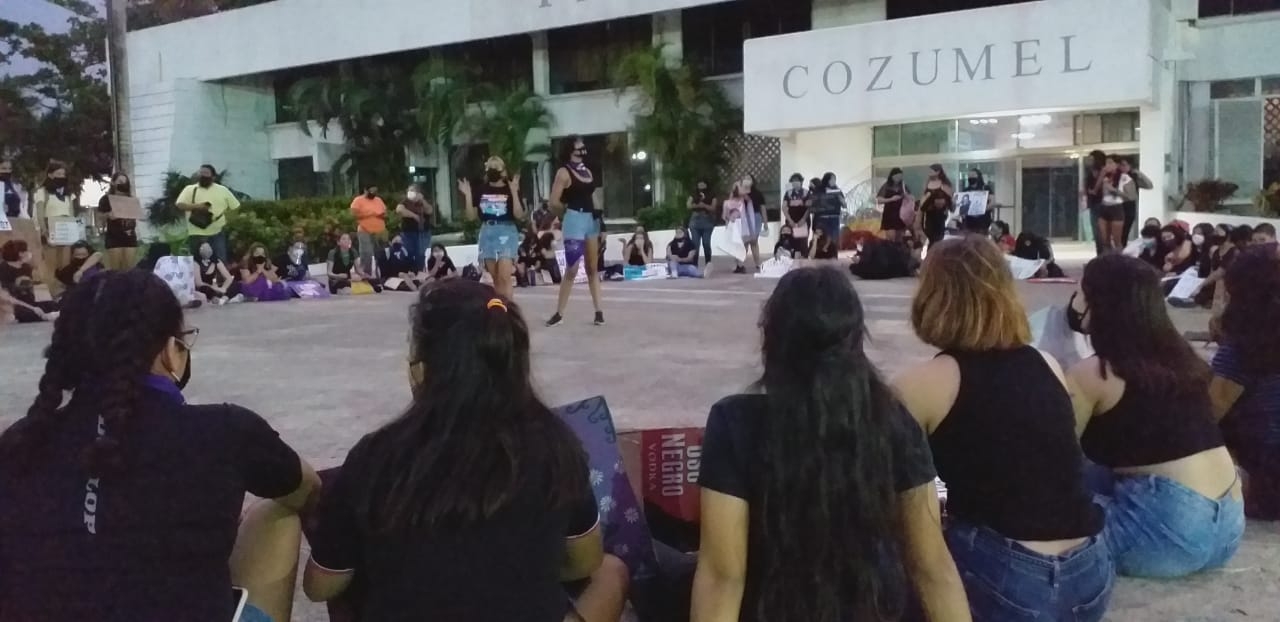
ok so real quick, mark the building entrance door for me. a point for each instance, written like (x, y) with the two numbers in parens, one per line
(1051, 196)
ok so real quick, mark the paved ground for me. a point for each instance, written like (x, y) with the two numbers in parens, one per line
(324, 373)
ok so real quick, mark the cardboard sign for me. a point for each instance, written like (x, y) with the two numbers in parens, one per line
(129, 208)
(670, 462)
(65, 231)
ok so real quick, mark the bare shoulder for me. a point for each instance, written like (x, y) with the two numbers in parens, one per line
(562, 175)
(928, 389)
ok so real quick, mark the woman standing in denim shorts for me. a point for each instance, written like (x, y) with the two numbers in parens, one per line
(498, 206)
(573, 197)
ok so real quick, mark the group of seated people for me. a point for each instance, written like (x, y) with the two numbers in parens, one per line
(1205, 251)
(818, 496)
(18, 278)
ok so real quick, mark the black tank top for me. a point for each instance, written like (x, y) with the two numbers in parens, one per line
(1008, 450)
(1144, 429)
(209, 272)
(577, 196)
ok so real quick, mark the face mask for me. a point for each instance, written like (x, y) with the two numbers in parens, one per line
(1075, 319)
(412, 196)
(185, 378)
(1197, 239)
(796, 185)
(1217, 240)
(397, 246)
(122, 188)
(6, 177)
(438, 255)
(1148, 243)
(206, 181)
(370, 194)
(295, 255)
(580, 153)
(493, 176)
(258, 260)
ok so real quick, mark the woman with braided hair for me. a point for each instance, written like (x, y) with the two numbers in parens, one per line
(122, 504)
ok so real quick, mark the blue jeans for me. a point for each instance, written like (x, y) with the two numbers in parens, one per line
(417, 244)
(1158, 528)
(218, 241)
(701, 236)
(683, 269)
(1007, 582)
(498, 241)
(830, 225)
(253, 614)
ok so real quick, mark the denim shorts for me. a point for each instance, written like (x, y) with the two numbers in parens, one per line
(1007, 582)
(575, 225)
(1158, 528)
(499, 240)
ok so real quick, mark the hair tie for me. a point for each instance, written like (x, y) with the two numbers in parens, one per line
(496, 304)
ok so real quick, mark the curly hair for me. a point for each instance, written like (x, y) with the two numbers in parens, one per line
(1248, 322)
(108, 334)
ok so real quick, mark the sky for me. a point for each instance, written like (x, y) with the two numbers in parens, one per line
(47, 14)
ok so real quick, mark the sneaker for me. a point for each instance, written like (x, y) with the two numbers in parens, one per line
(740, 270)
(237, 299)
(555, 320)
(706, 272)
(599, 318)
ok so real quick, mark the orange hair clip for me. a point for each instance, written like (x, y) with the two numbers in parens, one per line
(496, 304)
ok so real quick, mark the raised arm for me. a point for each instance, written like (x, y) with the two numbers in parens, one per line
(517, 204)
(464, 186)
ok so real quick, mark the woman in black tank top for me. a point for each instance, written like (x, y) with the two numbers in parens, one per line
(580, 224)
(1174, 506)
(1023, 529)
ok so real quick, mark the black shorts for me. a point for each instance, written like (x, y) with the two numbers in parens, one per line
(1110, 213)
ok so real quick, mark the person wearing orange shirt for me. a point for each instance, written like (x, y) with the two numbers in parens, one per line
(371, 226)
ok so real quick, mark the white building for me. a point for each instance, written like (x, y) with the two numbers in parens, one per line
(1021, 91)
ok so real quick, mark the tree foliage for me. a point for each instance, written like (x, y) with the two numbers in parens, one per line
(148, 13)
(61, 110)
(679, 117)
(508, 122)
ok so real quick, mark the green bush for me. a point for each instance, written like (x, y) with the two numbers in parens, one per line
(322, 220)
(660, 217)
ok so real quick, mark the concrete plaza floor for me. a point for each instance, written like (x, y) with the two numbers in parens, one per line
(325, 373)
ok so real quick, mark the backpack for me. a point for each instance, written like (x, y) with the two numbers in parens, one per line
(471, 273)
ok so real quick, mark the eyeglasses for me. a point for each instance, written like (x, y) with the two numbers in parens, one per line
(188, 337)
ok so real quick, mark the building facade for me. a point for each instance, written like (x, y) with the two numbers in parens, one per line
(1019, 90)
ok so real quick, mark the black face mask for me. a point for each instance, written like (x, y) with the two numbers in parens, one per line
(186, 374)
(581, 153)
(1075, 319)
(397, 247)
(258, 261)
(205, 182)
(122, 188)
(6, 177)
(493, 176)
(1217, 240)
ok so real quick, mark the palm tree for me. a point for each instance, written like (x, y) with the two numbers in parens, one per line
(508, 122)
(679, 118)
(446, 96)
(375, 111)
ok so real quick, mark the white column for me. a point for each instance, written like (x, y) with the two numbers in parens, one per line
(541, 60)
(1158, 123)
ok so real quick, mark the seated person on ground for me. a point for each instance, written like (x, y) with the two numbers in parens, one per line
(16, 278)
(214, 280)
(396, 262)
(1033, 247)
(802, 439)
(1180, 254)
(610, 272)
(790, 246)
(880, 259)
(682, 256)
(1173, 500)
(822, 246)
(343, 267)
(527, 259)
(1147, 247)
(439, 266)
(258, 279)
(127, 503)
(294, 264)
(84, 262)
(638, 251)
(1002, 237)
(1265, 235)
(426, 534)
(1246, 384)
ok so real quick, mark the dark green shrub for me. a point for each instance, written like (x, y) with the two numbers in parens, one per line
(660, 217)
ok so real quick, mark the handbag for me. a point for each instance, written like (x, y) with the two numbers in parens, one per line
(908, 210)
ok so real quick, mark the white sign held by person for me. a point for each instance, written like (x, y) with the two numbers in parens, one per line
(65, 231)
(179, 273)
(972, 204)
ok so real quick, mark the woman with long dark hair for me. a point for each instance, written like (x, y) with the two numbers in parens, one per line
(935, 206)
(1246, 385)
(890, 197)
(1022, 526)
(573, 196)
(827, 203)
(123, 503)
(1113, 186)
(121, 235)
(818, 495)
(1179, 253)
(638, 251)
(475, 503)
(1172, 498)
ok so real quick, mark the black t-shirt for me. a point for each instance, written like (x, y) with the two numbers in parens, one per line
(17, 280)
(731, 458)
(409, 225)
(440, 268)
(494, 203)
(505, 568)
(121, 232)
(162, 532)
(209, 272)
(393, 263)
(682, 248)
(797, 203)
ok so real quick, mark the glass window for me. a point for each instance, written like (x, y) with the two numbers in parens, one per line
(296, 177)
(583, 56)
(1271, 85)
(1215, 8)
(886, 141)
(1239, 149)
(712, 37)
(928, 138)
(1046, 130)
(1088, 129)
(1225, 89)
(987, 133)
(1119, 127)
(895, 9)
(505, 62)
(766, 19)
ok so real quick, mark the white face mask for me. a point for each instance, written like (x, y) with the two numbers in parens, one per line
(1197, 239)
(438, 255)
(412, 196)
